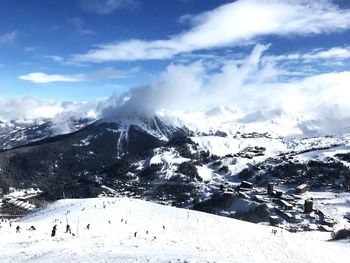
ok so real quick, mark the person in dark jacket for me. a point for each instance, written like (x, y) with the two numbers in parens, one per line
(53, 232)
(68, 230)
(18, 228)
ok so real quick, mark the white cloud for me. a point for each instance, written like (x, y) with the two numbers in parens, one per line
(334, 53)
(105, 7)
(192, 86)
(39, 77)
(252, 86)
(55, 58)
(28, 108)
(231, 24)
(9, 38)
(103, 74)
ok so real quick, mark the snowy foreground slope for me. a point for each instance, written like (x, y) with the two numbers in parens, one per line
(187, 236)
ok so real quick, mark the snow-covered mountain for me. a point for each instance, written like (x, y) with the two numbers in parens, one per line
(17, 133)
(160, 144)
(220, 121)
(129, 230)
(186, 159)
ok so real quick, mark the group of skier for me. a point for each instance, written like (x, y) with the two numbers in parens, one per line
(68, 228)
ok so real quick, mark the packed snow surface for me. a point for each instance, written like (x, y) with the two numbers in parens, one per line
(129, 230)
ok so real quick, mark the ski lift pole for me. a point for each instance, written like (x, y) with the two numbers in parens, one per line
(65, 203)
(78, 227)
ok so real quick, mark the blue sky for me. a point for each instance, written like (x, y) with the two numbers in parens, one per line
(37, 34)
(74, 50)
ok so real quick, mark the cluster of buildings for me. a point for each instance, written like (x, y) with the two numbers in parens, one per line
(291, 209)
(13, 206)
(250, 152)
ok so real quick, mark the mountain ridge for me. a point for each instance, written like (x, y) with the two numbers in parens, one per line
(155, 159)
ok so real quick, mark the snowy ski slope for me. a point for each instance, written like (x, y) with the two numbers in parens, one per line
(187, 236)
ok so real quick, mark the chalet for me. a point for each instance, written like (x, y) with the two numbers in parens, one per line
(259, 198)
(298, 218)
(329, 222)
(246, 185)
(278, 194)
(288, 198)
(285, 204)
(325, 228)
(301, 189)
(229, 194)
(21, 204)
(311, 227)
(286, 215)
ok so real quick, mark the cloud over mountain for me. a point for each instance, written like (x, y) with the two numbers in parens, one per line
(252, 84)
(249, 86)
(28, 108)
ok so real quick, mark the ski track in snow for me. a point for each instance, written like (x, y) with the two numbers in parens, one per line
(189, 236)
(123, 135)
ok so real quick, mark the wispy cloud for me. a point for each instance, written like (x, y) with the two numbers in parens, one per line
(231, 24)
(103, 74)
(29, 49)
(335, 53)
(79, 25)
(9, 38)
(54, 58)
(105, 7)
(63, 61)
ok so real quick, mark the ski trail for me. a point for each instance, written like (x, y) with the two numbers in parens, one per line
(159, 131)
(123, 139)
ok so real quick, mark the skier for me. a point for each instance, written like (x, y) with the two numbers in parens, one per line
(68, 230)
(88, 226)
(53, 232)
(18, 228)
